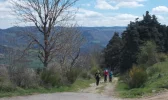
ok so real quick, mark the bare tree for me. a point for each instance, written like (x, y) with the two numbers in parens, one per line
(45, 15)
(68, 56)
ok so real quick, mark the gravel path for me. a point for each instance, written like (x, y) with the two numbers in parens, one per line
(62, 96)
(105, 91)
(92, 93)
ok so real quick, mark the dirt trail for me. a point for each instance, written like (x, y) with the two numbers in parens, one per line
(105, 91)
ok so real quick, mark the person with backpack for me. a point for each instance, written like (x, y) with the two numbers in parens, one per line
(105, 75)
(110, 76)
(97, 76)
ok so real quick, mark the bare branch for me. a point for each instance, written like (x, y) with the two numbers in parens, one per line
(45, 15)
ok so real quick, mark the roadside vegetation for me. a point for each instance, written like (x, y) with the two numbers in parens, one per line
(156, 82)
(19, 79)
(139, 57)
(50, 58)
(77, 85)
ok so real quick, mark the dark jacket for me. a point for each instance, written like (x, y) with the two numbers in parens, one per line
(97, 75)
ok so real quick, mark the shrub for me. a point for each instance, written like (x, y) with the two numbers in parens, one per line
(152, 70)
(124, 78)
(85, 75)
(25, 77)
(72, 75)
(147, 54)
(162, 57)
(5, 83)
(94, 70)
(50, 78)
(137, 77)
(7, 87)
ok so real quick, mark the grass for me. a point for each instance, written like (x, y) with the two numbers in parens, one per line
(157, 82)
(125, 92)
(79, 84)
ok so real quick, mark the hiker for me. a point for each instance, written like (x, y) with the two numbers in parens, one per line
(110, 76)
(97, 76)
(105, 75)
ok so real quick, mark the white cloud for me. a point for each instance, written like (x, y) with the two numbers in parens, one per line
(130, 4)
(160, 9)
(102, 4)
(5, 10)
(129, 17)
(160, 17)
(88, 13)
(116, 4)
(6, 17)
(91, 18)
(5, 6)
(128, 0)
(161, 13)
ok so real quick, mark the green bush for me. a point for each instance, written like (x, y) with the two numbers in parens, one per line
(94, 70)
(137, 77)
(142, 57)
(7, 87)
(124, 78)
(162, 57)
(152, 70)
(50, 78)
(24, 77)
(5, 83)
(72, 75)
(147, 55)
(85, 75)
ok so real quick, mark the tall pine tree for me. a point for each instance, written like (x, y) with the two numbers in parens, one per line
(131, 46)
(112, 52)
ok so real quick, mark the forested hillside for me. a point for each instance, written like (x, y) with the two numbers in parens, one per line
(93, 35)
(124, 49)
(139, 56)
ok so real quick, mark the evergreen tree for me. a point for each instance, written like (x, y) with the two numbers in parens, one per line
(131, 46)
(112, 52)
(136, 35)
(166, 39)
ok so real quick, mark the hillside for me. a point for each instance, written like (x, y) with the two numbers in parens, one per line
(93, 35)
(155, 84)
(99, 36)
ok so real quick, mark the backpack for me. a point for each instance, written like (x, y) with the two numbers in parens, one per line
(97, 75)
(110, 73)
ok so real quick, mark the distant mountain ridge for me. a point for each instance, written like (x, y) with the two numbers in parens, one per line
(93, 35)
(100, 35)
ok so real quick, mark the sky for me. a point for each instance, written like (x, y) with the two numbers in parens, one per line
(101, 13)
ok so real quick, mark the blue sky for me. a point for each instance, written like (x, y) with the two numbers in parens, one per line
(102, 12)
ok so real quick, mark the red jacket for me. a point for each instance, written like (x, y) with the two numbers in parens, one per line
(106, 72)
